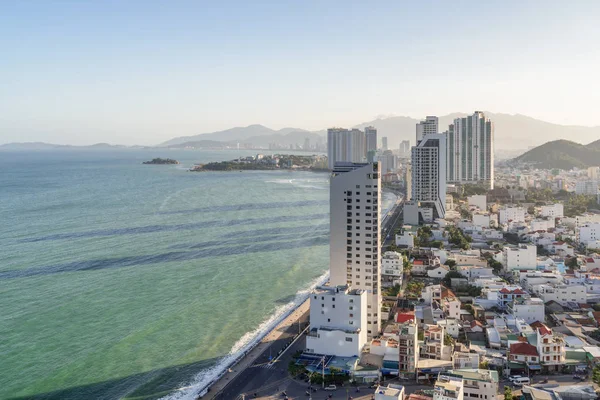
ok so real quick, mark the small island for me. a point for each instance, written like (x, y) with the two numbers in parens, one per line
(161, 161)
(262, 162)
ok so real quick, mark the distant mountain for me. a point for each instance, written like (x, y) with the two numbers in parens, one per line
(562, 154)
(238, 134)
(512, 132)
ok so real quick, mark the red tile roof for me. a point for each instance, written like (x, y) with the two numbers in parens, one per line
(518, 291)
(405, 317)
(524, 349)
(544, 330)
(504, 290)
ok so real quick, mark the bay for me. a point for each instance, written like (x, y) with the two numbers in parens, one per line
(123, 280)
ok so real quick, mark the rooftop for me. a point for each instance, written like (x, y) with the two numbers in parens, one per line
(390, 390)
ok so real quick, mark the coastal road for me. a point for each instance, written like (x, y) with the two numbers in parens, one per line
(264, 378)
(391, 222)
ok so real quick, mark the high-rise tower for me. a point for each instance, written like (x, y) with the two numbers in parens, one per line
(355, 229)
(427, 127)
(470, 155)
(345, 145)
(429, 174)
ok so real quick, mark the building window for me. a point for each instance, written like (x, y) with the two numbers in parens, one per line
(348, 339)
(328, 319)
(351, 315)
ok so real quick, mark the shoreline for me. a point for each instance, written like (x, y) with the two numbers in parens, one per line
(257, 346)
(247, 359)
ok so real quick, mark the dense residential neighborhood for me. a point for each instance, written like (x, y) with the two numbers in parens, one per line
(486, 286)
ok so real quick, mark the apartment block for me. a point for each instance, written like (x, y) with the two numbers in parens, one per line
(429, 174)
(338, 316)
(471, 150)
(355, 229)
(345, 145)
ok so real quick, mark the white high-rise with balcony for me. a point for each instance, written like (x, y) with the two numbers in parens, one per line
(427, 127)
(471, 150)
(429, 174)
(355, 228)
(347, 145)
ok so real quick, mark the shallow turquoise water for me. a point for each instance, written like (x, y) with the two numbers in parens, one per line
(125, 280)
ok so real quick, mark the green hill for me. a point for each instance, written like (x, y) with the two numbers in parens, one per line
(563, 154)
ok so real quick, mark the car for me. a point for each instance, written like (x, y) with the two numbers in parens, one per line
(577, 377)
(513, 377)
(331, 387)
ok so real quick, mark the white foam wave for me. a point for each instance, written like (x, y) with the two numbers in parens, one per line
(246, 343)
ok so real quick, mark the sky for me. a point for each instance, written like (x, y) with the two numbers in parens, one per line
(142, 72)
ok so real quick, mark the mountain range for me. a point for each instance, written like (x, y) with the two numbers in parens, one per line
(512, 132)
(563, 154)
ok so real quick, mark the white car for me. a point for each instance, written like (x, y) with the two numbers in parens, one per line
(513, 377)
(331, 387)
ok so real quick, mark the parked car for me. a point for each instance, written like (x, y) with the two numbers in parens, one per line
(513, 377)
(331, 387)
(578, 377)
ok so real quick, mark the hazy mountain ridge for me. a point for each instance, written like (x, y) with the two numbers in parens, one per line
(512, 132)
(562, 154)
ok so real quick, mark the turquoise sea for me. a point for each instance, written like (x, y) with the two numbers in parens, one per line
(123, 280)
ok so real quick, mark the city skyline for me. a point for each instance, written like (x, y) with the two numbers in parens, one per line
(141, 73)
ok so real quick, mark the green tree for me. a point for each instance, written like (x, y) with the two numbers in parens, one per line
(507, 393)
(448, 340)
(596, 375)
(572, 262)
(451, 263)
(447, 280)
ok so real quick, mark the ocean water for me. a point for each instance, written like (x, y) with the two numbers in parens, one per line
(123, 280)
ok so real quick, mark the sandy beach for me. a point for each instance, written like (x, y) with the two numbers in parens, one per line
(253, 354)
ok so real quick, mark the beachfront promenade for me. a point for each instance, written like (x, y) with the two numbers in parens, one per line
(254, 373)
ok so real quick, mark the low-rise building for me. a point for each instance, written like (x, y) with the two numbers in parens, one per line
(338, 318)
(475, 272)
(433, 344)
(406, 238)
(392, 268)
(463, 360)
(562, 294)
(477, 383)
(448, 387)
(530, 310)
(523, 256)
(408, 348)
(589, 233)
(552, 211)
(511, 214)
(551, 348)
(523, 353)
(389, 392)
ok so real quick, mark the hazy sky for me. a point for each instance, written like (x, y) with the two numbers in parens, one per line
(141, 72)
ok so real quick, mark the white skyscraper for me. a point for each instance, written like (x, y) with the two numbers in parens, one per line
(371, 138)
(405, 149)
(384, 143)
(345, 145)
(355, 228)
(470, 155)
(429, 174)
(427, 127)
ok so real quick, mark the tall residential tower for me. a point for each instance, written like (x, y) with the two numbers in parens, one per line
(345, 145)
(429, 126)
(470, 155)
(429, 175)
(355, 229)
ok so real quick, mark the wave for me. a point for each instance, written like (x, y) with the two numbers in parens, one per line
(206, 378)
